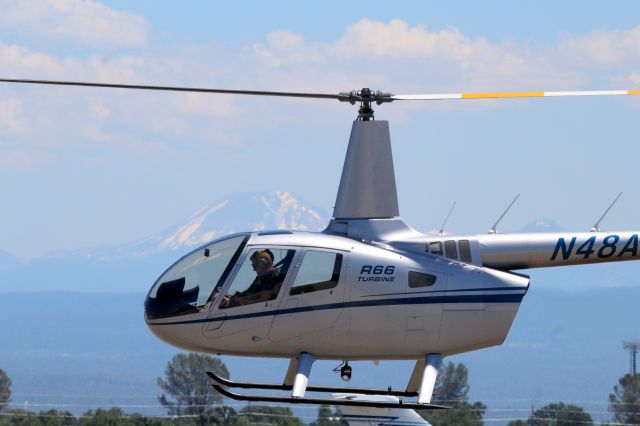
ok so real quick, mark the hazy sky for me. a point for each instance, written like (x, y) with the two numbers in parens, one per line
(82, 167)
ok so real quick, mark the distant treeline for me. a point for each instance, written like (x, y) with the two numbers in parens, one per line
(189, 400)
(222, 416)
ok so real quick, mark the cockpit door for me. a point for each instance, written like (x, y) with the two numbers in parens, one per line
(313, 302)
(245, 306)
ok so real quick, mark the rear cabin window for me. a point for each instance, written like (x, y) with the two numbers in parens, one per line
(319, 270)
(435, 247)
(420, 279)
(450, 249)
(465, 250)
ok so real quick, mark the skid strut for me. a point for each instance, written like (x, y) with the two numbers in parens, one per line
(423, 378)
(429, 376)
(303, 370)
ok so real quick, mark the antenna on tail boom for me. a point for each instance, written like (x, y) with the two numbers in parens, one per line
(596, 227)
(447, 218)
(495, 225)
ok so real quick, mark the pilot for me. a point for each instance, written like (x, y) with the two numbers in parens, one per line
(266, 284)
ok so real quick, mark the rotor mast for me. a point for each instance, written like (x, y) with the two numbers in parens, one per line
(368, 185)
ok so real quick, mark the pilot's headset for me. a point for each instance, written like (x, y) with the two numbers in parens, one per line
(263, 258)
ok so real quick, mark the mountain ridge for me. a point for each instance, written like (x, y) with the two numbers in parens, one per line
(134, 266)
(226, 215)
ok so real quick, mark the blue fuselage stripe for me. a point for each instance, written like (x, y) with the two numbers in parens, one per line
(423, 300)
(451, 291)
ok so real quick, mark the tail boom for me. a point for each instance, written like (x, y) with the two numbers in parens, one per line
(538, 250)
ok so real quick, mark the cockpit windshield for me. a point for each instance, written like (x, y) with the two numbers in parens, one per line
(189, 284)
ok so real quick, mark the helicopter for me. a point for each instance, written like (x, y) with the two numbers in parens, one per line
(368, 287)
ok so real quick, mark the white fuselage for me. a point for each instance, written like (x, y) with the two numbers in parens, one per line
(377, 310)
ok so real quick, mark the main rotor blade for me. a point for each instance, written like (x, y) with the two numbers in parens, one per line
(352, 97)
(499, 95)
(176, 89)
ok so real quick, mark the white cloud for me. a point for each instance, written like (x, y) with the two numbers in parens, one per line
(20, 159)
(11, 119)
(201, 104)
(390, 56)
(80, 22)
(394, 56)
(603, 48)
(20, 61)
(397, 39)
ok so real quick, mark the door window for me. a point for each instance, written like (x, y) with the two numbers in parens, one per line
(319, 270)
(259, 278)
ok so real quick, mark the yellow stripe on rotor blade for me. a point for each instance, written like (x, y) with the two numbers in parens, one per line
(633, 92)
(502, 95)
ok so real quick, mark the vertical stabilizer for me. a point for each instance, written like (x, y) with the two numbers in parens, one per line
(368, 184)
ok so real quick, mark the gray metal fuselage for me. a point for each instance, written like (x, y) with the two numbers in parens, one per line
(373, 312)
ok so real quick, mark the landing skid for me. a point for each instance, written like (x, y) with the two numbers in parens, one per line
(345, 399)
(361, 391)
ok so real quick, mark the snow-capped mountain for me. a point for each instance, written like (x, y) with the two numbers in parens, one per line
(134, 266)
(542, 225)
(7, 261)
(246, 211)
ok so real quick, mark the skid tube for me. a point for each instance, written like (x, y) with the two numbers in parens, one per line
(270, 386)
(346, 400)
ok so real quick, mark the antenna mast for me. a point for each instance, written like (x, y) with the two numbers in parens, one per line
(596, 227)
(447, 218)
(495, 225)
(633, 347)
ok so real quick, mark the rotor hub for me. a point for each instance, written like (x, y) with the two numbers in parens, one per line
(366, 97)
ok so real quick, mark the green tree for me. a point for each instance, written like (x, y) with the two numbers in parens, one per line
(19, 417)
(559, 414)
(279, 416)
(452, 390)
(225, 416)
(5, 389)
(115, 416)
(327, 417)
(100, 417)
(452, 386)
(186, 388)
(624, 402)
